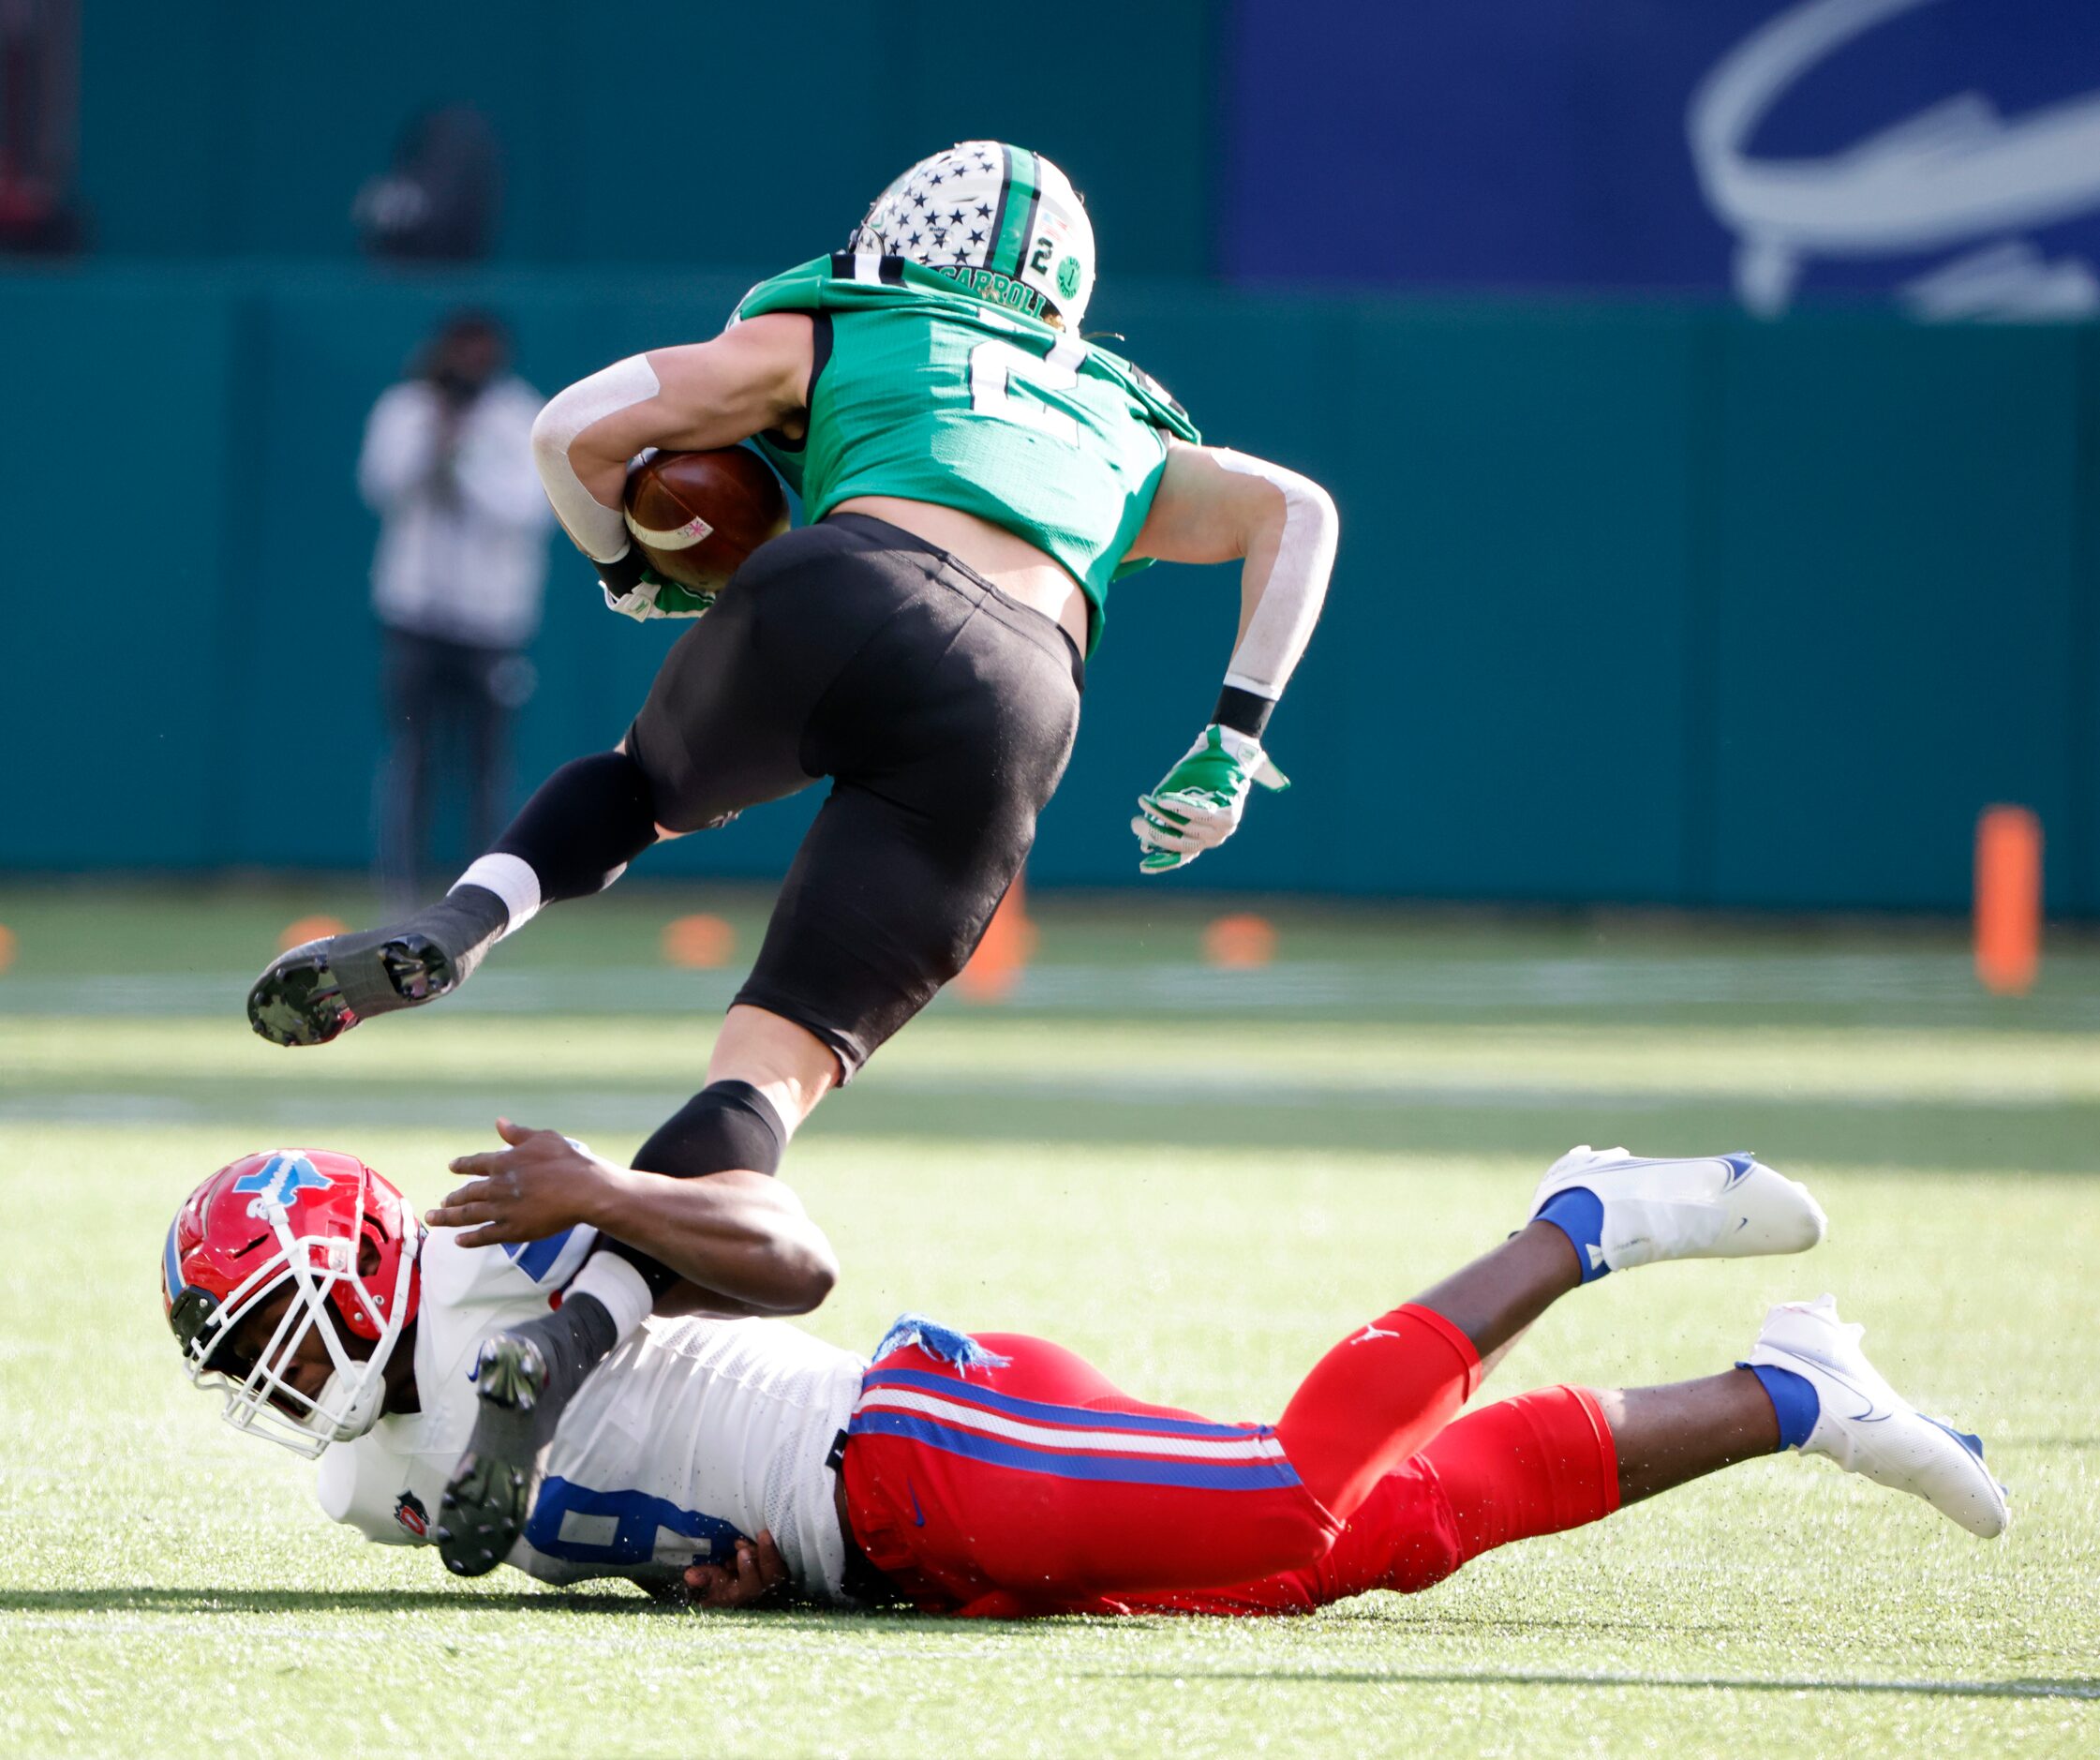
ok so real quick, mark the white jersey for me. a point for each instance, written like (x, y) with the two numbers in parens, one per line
(692, 1434)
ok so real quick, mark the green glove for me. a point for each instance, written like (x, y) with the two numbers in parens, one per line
(1199, 802)
(653, 596)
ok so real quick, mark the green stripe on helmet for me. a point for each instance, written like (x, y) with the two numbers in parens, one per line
(1016, 212)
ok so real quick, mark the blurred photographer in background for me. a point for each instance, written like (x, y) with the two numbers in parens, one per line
(456, 581)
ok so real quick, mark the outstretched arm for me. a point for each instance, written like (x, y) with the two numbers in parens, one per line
(1219, 506)
(741, 1235)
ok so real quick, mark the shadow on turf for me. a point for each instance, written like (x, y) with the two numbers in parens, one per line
(191, 1602)
(2077, 1688)
(187, 1602)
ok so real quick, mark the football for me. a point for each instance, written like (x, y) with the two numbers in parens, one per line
(698, 516)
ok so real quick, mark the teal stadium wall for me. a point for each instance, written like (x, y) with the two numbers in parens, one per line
(690, 134)
(1635, 603)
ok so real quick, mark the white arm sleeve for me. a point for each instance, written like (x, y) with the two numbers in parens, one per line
(599, 531)
(1291, 599)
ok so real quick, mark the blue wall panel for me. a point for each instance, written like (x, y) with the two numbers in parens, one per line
(1545, 146)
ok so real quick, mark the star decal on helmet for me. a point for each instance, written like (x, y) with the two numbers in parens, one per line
(1005, 205)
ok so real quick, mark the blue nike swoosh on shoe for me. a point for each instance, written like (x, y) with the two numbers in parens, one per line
(1867, 1414)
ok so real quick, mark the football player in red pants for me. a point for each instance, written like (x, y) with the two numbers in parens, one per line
(999, 1475)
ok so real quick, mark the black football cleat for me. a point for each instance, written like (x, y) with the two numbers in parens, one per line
(320, 989)
(525, 1378)
(489, 1495)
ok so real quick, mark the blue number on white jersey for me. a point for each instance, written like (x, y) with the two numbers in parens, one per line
(581, 1526)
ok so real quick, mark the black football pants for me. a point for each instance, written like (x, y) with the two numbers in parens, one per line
(943, 711)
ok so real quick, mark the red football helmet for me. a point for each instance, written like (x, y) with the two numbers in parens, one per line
(344, 1240)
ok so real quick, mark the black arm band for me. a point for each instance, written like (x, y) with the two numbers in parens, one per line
(1242, 711)
(624, 572)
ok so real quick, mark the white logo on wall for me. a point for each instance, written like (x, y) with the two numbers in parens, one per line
(1956, 174)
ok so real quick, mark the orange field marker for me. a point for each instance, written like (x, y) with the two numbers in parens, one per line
(1002, 955)
(2008, 900)
(8, 945)
(302, 929)
(1246, 938)
(699, 942)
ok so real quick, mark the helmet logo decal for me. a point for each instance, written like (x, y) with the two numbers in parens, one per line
(278, 1181)
(1069, 276)
(410, 1513)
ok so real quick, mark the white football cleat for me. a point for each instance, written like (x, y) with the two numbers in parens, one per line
(1725, 1206)
(1867, 1428)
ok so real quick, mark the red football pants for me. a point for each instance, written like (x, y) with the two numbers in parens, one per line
(1037, 1486)
(1533, 1465)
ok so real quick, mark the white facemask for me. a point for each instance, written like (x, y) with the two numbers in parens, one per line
(347, 1407)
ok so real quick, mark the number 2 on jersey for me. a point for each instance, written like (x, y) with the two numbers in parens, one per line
(994, 368)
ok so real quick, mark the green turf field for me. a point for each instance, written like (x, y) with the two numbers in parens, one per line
(1200, 1179)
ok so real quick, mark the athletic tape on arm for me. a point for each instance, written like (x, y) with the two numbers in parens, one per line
(1291, 599)
(599, 531)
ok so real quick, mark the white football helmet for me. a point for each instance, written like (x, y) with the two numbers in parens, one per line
(1001, 221)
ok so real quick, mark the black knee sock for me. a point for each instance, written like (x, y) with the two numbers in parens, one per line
(726, 1124)
(583, 824)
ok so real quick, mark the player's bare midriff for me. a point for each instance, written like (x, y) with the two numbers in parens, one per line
(1012, 564)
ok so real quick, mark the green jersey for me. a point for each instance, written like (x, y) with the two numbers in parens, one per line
(929, 393)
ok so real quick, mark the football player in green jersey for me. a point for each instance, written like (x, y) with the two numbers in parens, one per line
(975, 476)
